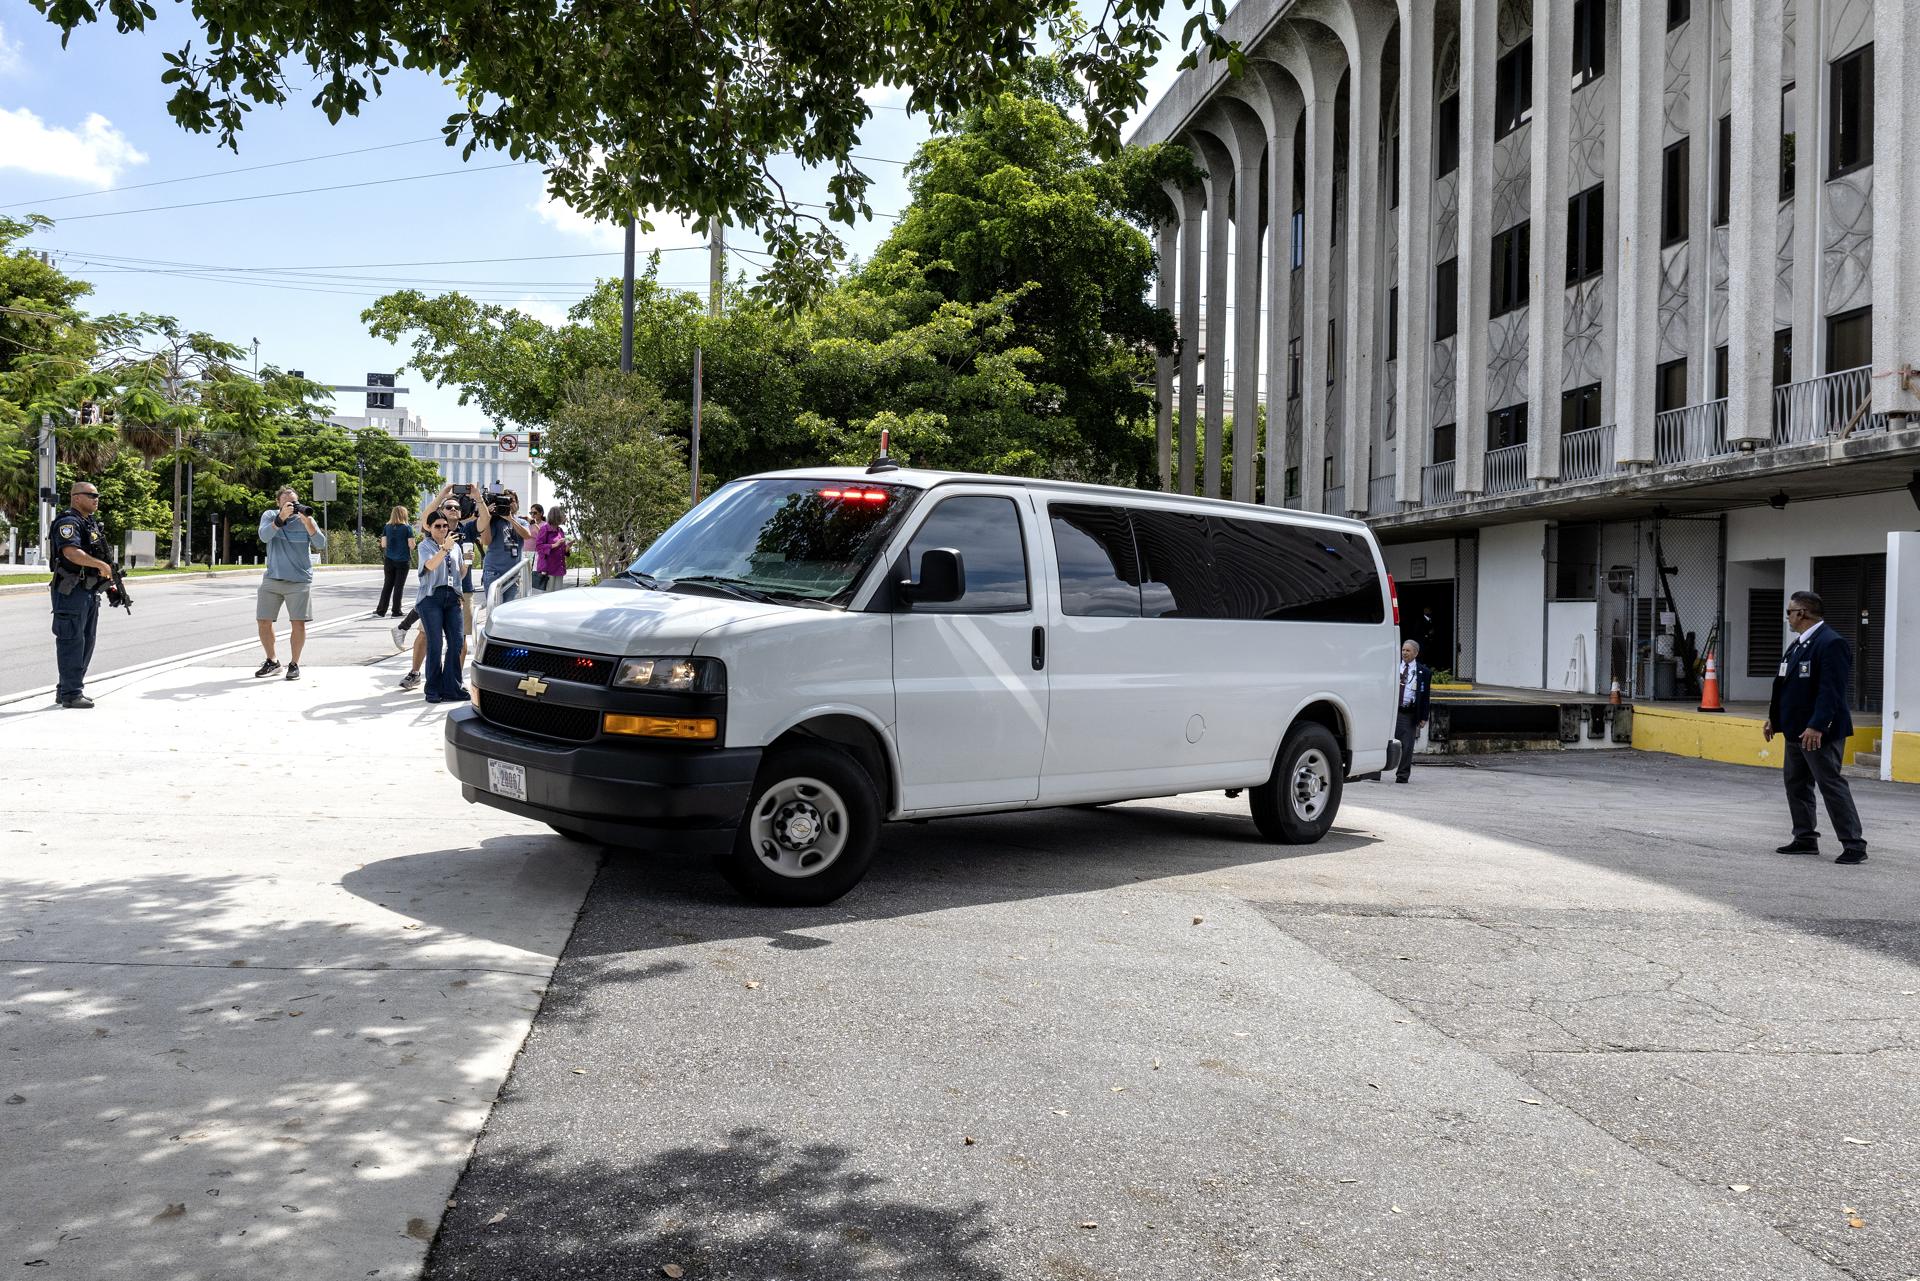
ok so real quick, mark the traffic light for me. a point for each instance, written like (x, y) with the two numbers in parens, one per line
(533, 444)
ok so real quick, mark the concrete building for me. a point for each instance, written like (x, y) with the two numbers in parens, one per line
(1602, 312)
(467, 458)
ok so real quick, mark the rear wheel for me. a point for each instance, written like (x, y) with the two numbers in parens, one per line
(810, 830)
(1297, 804)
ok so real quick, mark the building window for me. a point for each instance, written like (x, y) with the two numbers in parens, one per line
(1507, 426)
(1326, 472)
(1298, 249)
(1446, 137)
(1673, 194)
(1782, 357)
(1723, 172)
(1393, 324)
(1293, 482)
(1393, 169)
(1580, 409)
(1589, 41)
(1333, 333)
(1678, 11)
(1670, 386)
(1443, 443)
(1720, 373)
(1446, 299)
(1850, 119)
(1293, 369)
(1850, 340)
(1788, 135)
(1510, 265)
(1586, 234)
(1513, 90)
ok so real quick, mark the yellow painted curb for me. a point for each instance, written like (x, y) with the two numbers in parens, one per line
(1454, 685)
(1906, 757)
(1736, 740)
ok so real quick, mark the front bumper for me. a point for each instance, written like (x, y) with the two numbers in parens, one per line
(626, 794)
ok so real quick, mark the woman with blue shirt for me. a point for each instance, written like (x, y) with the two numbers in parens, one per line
(398, 540)
(441, 566)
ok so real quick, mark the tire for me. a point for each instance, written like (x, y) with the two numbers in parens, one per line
(1297, 804)
(810, 830)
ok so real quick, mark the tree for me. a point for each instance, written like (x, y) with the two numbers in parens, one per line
(45, 344)
(663, 104)
(611, 452)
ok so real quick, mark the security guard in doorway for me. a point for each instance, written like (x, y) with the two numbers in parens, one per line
(78, 555)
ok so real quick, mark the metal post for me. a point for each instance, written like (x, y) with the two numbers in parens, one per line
(695, 451)
(626, 307)
(186, 520)
(360, 499)
(716, 267)
(173, 543)
(48, 452)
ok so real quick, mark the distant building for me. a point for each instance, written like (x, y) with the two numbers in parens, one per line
(465, 458)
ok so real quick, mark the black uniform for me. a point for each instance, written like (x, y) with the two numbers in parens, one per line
(76, 598)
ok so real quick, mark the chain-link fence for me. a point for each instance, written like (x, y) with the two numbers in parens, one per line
(1662, 593)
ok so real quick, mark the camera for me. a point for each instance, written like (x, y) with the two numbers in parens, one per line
(301, 509)
(502, 503)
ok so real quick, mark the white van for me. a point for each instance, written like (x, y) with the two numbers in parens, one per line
(808, 654)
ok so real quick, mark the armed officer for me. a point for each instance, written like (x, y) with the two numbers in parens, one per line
(80, 572)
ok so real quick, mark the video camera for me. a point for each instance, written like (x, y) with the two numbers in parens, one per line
(503, 502)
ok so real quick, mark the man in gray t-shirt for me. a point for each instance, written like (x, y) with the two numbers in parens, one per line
(291, 536)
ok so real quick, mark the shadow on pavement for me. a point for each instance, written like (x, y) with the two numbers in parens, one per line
(752, 1204)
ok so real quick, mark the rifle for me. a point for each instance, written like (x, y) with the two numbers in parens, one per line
(117, 591)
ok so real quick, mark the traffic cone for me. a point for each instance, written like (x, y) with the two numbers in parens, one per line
(1613, 695)
(1710, 688)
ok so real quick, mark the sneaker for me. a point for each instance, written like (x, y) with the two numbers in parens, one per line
(293, 671)
(1798, 847)
(410, 681)
(460, 696)
(82, 701)
(399, 635)
(269, 667)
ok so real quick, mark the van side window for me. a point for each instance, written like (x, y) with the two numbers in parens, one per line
(985, 530)
(1099, 570)
(1177, 565)
(1295, 573)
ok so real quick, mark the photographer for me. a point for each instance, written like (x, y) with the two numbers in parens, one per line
(291, 535)
(501, 537)
(442, 562)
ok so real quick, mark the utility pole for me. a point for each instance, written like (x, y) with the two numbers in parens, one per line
(716, 276)
(173, 385)
(48, 495)
(626, 306)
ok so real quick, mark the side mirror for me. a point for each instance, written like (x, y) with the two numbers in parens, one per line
(943, 579)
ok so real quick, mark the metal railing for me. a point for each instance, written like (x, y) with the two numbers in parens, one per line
(1506, 469)
(1816, 408)
(1436, 483)
(1335, 501)
(1380, 500)
(1690, 434)
(1587, 455)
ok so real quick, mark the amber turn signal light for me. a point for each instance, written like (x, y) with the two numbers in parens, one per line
(660, 726)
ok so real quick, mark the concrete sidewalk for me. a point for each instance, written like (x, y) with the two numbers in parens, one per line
(262, 972)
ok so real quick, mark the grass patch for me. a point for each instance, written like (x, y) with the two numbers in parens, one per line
(158, 571)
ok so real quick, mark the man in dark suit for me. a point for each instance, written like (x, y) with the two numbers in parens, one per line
(1414, 686)
(1809, 708)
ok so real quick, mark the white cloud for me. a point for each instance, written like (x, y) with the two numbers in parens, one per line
(9, 53)
(96, 154)
(547, 313)
(668, 232)
(885, 95)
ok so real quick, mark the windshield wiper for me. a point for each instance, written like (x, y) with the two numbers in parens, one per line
(646, 580)
(731, 586)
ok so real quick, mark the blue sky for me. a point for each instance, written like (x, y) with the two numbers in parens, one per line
(94, 116)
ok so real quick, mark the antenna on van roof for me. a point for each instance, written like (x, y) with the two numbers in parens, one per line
(880, 460)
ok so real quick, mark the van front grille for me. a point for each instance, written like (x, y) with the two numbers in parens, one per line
(546, 720)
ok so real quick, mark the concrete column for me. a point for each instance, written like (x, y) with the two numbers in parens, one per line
(1896, 206)
(1636, 252)
(1703, 138)
(1219, 167)
(1900, 692)
(1753, 214)
(1412, 387)
(1357, 331)
(1235, 126)
(1192, 210)
(1164, 290)
(1478, 53)
(1810, 148)
(1279, 325)
(1547, 254)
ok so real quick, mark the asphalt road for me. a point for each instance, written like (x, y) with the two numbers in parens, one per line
(170, 616)
(1545, 1016)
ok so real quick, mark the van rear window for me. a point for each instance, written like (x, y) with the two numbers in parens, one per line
(1198, 565)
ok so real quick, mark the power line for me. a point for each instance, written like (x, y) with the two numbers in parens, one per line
(304, 191)
(85, 254)
(222, 173)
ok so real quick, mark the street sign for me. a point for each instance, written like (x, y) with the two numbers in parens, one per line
(508, 442)
(326, 486)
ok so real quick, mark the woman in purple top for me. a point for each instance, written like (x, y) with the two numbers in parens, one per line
(550, 549)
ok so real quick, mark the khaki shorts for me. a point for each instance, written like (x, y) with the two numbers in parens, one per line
(298, 597)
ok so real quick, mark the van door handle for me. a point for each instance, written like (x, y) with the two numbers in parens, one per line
(1039, 648)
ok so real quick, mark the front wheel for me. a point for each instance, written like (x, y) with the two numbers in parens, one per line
(1297, 803)
(810, 830)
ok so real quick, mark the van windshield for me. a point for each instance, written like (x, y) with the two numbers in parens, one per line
(805, 539)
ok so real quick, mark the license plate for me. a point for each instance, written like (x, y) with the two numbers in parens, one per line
(504, 778)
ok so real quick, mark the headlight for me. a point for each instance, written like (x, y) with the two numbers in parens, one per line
(682, 675)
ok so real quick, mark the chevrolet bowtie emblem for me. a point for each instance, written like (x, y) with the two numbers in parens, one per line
(533, 686)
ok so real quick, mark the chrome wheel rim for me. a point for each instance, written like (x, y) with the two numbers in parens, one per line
(1311, 785)
(799, 827)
